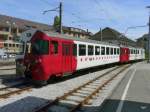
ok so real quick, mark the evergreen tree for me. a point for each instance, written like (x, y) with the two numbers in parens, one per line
(56, 24)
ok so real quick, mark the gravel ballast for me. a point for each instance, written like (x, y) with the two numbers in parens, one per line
(29, 101)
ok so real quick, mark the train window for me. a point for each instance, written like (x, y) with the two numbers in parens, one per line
(90, 50)
(118, 51)
(107, 51)
(75, 49)
(131, 52)
(115, 51)
(28, 48)
(111, 51)
(82, 50)
(97, 50)
(54, 47)
(135, 51)
(102, 50)
(66, 49)
(40, 47)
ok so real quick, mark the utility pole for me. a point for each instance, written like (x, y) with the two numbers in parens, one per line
(58, 9)
(149, 37)
(101, 33)
(60, 16)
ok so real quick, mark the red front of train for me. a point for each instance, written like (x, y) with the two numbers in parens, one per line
(49, 57)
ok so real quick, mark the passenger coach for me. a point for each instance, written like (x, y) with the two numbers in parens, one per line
(53, 55)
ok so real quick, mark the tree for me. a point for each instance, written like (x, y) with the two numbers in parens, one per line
(56, 24)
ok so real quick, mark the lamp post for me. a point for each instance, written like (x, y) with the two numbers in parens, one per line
(148, 61)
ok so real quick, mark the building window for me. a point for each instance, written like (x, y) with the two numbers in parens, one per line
(82, 50)
(9, 45)
(10, 38)
(17, 45)
(5, 45)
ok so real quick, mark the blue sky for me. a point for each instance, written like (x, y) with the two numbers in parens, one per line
(85, 14)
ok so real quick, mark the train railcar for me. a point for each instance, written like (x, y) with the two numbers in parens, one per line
(124, 54)
(136, 53)
(53, 55)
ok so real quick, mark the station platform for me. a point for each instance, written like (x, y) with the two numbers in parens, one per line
(133, 93)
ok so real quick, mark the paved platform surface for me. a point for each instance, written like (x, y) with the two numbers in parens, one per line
(133, 93)
(8, 67)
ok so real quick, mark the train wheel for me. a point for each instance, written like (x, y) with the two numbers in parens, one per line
(52, 79)
(27, 74)
(39, 83)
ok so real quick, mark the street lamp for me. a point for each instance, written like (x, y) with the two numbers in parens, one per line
(148, 61)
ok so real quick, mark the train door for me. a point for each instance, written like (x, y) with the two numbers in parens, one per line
(55, 57)
(66, 57)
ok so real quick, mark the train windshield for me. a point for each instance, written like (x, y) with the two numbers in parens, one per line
(40, 47)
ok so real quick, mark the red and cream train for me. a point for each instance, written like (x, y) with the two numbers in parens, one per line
(53, 54)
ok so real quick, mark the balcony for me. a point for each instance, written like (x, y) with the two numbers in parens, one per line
(4, 32)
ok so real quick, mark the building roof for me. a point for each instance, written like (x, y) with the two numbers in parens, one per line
(21, 23)
(144, 37)
(26, 24)
(111, 34)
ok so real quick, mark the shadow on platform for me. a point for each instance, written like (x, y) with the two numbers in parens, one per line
(30, 104)
(111, 105)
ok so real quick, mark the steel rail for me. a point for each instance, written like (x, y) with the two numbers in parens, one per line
(10, 92)
(87, 98)
(6, 95)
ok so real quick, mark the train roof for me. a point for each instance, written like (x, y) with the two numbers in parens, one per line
(84, 40)
(77, 39)
(54, 34)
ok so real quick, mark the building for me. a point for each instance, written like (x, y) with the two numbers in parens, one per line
(12, 27)
(76, 32)
(112, 36)
(143, 41)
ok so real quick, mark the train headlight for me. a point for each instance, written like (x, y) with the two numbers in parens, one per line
(38, 61)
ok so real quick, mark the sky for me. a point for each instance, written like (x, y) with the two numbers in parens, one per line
(85, 14)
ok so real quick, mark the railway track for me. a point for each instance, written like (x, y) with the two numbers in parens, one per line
(6, 92)
(82, 95)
